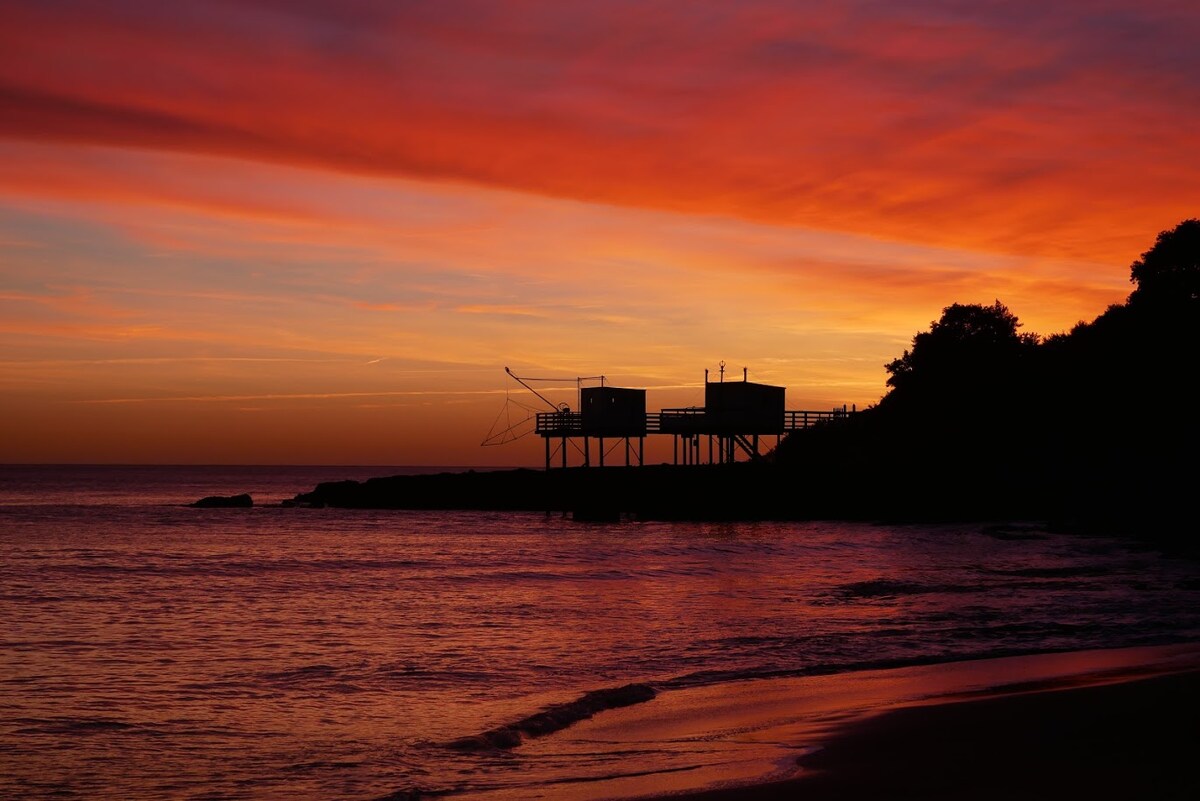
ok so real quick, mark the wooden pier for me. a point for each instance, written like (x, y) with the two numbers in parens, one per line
(700, 435)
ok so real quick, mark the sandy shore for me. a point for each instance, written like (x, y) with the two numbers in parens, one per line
(1136, 739)
(1103, 724)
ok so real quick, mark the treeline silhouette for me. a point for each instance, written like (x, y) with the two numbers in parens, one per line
(1095, 429)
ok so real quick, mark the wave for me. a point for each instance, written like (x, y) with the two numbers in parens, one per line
(74, 726)
(1068, 571)
(301, 673)
(1015, 531)
(1039, 580)
(361, 676)
(555, 718)
(705, 678)
(882, 588)
(226, 565)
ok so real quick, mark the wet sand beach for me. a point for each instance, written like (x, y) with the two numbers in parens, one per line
(1134, 739)
(1112, 723)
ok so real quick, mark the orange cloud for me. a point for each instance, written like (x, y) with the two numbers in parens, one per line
(310, 244)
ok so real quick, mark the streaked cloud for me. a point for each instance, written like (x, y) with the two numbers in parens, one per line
(1018, 127)
(287, 396)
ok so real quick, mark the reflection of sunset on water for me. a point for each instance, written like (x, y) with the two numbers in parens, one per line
(335, 652)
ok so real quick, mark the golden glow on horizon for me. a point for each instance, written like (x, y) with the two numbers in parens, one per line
(305, 252)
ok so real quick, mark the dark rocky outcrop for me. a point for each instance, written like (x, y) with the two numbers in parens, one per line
(743, 491)
(243, 501)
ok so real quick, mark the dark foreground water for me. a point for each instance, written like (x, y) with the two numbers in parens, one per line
(154, 651)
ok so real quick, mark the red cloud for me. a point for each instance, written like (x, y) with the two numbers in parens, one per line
(1067, 131)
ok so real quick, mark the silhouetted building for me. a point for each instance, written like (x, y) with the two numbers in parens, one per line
(613, 412)
(743, 407)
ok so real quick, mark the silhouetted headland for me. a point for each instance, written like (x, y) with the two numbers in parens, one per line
(1093, 430)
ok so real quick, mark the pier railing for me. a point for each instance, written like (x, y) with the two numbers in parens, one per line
(687, 420)
(798, 419)
(559, 424)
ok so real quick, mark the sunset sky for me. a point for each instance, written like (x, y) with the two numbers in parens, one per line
(316, 231)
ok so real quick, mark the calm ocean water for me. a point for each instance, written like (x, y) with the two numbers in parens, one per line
(155, 651)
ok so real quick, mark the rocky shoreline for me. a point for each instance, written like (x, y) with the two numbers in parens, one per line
(743, 491)
(768, 491)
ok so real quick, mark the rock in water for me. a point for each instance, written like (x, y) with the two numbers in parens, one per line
(243, 501)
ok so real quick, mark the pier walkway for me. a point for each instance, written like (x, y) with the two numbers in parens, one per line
(690, 427)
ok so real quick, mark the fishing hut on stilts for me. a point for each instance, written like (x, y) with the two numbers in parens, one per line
(735, 417)
(735, 421)
(605, 418)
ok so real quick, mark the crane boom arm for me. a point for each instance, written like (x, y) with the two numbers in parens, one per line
(578, 383)
(521, 381)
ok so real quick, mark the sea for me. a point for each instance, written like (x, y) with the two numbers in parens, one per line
(150, 650)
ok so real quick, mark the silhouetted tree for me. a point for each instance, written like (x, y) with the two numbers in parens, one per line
(1093, 428)
(1169, 272)
(968, 340)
